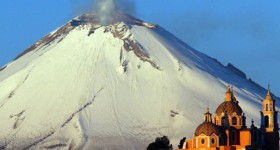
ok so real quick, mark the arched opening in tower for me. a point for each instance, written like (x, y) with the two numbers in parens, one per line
(266, 121)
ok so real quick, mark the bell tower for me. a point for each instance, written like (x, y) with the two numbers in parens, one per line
(269, 124)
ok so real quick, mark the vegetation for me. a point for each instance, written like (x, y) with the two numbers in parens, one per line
(161, 143)
(181, 144)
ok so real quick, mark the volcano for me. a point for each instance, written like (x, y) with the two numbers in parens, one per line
(113, 87)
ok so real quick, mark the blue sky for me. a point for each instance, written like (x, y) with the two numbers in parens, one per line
(245, 33)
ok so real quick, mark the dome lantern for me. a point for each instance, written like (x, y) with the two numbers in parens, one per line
(208, 116)
(229, 95)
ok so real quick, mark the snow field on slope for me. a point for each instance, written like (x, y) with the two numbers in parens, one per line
(78, 90)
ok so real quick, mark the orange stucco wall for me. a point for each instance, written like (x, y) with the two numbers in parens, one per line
(245, 138)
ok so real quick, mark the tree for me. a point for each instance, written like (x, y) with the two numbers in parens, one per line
(161, 143)
(181, 144)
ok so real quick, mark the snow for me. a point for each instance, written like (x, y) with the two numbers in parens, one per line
(89, 92)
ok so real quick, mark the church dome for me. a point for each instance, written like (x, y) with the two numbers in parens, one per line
(229, 107)
(207, 128)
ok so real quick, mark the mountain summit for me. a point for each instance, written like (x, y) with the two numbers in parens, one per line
(118, 86)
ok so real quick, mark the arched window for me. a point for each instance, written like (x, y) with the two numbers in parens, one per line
(213, 140)
(223, 121)
(266, 121)
(234, 121)
(266, 107)
(202, 141)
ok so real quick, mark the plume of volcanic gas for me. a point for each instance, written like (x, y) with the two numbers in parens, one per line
(105, 9)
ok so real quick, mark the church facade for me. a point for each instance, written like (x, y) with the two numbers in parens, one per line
(227, 129)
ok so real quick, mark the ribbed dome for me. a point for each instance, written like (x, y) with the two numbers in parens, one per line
(207, 128)
(229, 107)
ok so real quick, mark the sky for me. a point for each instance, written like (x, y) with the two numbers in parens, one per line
(245, 33)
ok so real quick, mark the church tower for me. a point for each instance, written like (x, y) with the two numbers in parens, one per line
(269, 125)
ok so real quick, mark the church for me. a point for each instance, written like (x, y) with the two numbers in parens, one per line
(227, 129)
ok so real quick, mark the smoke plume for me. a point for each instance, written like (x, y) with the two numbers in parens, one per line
(105, 10)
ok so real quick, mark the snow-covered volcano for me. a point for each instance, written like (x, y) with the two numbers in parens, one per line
(113, 87)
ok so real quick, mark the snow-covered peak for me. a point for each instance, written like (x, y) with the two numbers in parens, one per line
(125, 83)
(93, 18)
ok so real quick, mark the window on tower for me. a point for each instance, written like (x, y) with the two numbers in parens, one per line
(266, 121)
(266, 107)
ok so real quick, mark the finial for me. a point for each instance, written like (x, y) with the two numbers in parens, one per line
(207, 109)
(252, 125)
(268, 90)
(229, 88)
(208, 106)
